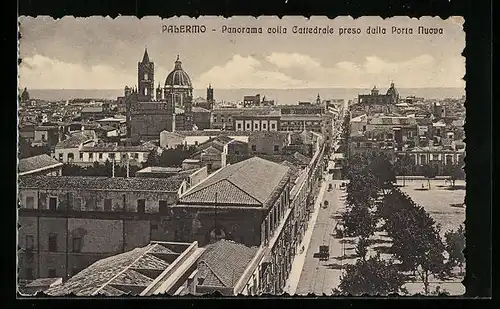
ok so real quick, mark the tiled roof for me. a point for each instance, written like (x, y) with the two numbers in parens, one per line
(36, 162)
(100, 183)
(106, 128)
(41, 282)
(250, 182)
(90, 109)
(248, 111)
(392, 121)
(114, 148)
(211, 133)
(125, 273)
(199, 109)
(75, 140)
(160, 169)
(301, 158)
(226, 261)
(270, 135)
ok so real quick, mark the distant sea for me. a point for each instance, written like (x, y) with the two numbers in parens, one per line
(281, 96)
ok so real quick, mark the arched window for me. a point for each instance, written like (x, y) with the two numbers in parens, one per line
(146, 76)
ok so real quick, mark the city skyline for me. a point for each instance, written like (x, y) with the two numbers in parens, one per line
(101, 53)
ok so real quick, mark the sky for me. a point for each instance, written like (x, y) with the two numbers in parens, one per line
(102, 53)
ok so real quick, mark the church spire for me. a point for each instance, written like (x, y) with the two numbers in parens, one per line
(145, 58)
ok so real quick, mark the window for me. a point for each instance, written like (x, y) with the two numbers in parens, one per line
(107, 204)
(30, 202)
(273, 126)
(43, 137)
(100, 156)
(29, 242)
(124, 156)
(53, 203)
(60, 157)
(154, 227)
(222, 120)
(52, 242)
(215, 118)
(146, 76)
(29, 273)
(52, 273)
(112, 155)
(77, 244)
(248, 126)
(264, 126)
(254, 148)
(71, 157)
(276, 148)
(239, 126)
(91, 156)
(81, 155)
(141, 206)
(162, 207)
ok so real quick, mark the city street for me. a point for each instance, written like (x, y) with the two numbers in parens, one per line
(320, 277)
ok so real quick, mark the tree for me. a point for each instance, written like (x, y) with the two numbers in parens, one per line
(455, 245)
(373, 276)
(359, 222)
(429, 172)
(454, 172)
(383, 170)
(152, 159)
(403, 167)
(416, 240)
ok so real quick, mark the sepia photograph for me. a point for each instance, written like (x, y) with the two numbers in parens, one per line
(241, 156)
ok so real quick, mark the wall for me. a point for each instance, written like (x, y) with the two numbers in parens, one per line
(101, 237)
(196, 223)
(150, 125)
(264, 144)
(94, 200)
(170, 139)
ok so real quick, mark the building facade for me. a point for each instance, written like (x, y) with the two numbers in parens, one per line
(69, 222)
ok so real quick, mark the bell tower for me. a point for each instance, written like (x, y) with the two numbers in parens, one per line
(146, 71)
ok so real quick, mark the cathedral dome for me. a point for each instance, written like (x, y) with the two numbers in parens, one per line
(178, 78)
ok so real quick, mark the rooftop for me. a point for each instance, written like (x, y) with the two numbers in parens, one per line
(248, 111)
(249, 182)
(225, 263)
(120, 120)
(99, 183)
(126, 273)
(76, 139)
(160, 169)
(212, 133)
(37, 162)
(199, 109)
(92, 109)
(115, 148)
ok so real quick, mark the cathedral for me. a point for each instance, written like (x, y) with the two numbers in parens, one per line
(379, 103)
(151, 111)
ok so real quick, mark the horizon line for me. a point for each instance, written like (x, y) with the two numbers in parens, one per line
(242, 88)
